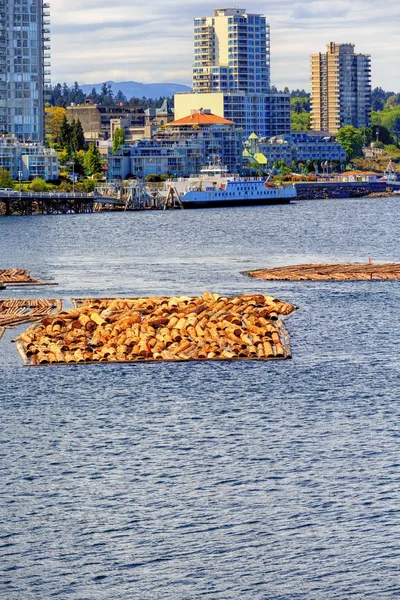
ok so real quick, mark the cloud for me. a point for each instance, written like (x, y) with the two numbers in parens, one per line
(95, 40)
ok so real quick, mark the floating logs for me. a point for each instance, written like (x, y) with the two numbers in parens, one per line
(20, 277)
(17, 312)
(207, 327)
(340, 272)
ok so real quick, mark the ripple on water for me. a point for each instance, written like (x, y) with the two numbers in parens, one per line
(270, 481)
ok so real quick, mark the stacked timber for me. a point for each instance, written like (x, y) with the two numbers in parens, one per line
(19, 277)
(208, 327)
(17, 312)
(330, 272)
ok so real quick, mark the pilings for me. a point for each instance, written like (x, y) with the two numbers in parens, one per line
(45, 204)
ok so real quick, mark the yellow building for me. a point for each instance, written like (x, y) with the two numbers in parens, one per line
(340, 88)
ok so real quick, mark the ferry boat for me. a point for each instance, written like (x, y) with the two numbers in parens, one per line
(215, 187)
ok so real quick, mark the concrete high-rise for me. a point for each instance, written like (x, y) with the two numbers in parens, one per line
(340, 88)
(231, 52)
(24, 67)
(231, 74)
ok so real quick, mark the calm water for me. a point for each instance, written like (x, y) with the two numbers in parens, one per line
(264, 481)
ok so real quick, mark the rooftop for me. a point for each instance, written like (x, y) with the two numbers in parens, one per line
(201, 117)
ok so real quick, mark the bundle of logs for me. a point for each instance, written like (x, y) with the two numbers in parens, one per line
(340, 272)
(17, 312)
(19, 277)
(161, 329)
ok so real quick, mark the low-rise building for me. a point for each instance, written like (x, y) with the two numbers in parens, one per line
(145, 157)
(28, 160)
(299, 146)
(181, 148)
(360, 176)
(98, 121)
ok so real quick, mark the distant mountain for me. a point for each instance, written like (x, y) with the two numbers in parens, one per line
(133, 89)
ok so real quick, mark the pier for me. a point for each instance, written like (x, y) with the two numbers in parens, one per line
(44, 203)
(136, 196)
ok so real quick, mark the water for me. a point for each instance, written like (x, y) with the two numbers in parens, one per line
(252, 480)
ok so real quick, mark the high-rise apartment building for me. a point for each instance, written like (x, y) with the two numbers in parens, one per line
(231, 73)
(24, 67)
(231, 52)
(340, 88)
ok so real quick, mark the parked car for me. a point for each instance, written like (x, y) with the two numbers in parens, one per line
(8, 191)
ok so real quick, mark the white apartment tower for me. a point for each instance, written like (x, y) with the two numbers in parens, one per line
(231, 74)
(24, 67)
(231, 52)
(340, 88)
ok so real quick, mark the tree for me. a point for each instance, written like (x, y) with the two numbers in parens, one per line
(120, 98)
(6, 181)
(64, 138)
(79, 160)
(54, 120)
(77, 141)
(92, 161)
(300, 104)
(300, 122)
(351, 140)
(38, 185)
(63, 156)
(391, 102)
(118, 139)
(94, 96)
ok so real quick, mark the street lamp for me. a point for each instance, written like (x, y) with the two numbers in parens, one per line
(20, 179)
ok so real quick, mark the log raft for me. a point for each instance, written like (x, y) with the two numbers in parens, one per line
(20, 277)
(15, 312)
(207, 327)
(330, 272)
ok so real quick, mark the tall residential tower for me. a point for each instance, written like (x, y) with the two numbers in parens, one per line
(340, 88)
(231, 74)
(24, 67)
(231, 52)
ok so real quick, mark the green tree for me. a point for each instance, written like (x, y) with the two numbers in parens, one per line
(79, 160)
(281, 167)
(92, 161)
(299, 105)
(77, 142)
(6, 180)
(63, 157)
(118, 139)
(352, 141)
(38, 185)
(300, 121)
(64, 138)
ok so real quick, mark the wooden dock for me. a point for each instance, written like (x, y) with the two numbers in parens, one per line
(44, 203)
(134, 197)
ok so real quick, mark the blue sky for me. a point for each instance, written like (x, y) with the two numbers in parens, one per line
(152, 41)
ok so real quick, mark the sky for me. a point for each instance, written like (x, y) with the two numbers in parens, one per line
(152, 41)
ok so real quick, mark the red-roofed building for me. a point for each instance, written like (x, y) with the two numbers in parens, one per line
(200, 117)
(369, 176)
(181, 148)
(215, 135)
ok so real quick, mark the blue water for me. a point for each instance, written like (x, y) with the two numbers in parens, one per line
(250, 480)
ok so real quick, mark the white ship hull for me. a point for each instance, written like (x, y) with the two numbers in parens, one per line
(198, 193)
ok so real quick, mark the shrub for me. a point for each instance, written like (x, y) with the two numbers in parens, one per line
(38, 185)
(153, 178)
